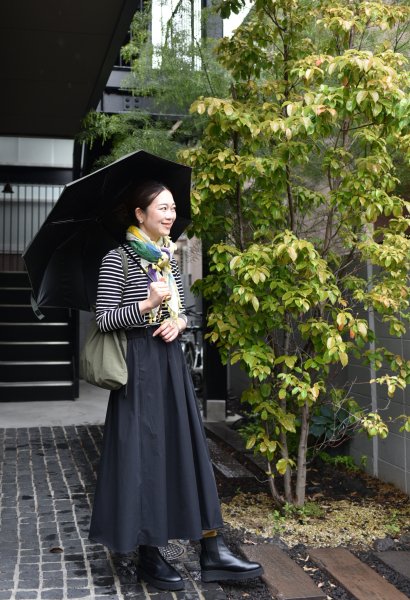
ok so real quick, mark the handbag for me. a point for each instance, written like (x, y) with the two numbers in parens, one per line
(103, 357)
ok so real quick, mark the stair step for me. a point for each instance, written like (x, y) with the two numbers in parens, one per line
(231, 437)
(40, 331)
(226, 464)
(285, 579)
(11, 295)
(36, 390)
(20, 350)
(356, 577)
(14, 278)
(23, 312)
(37, 357)
(22, 370)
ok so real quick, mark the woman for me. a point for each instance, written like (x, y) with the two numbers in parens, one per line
(155, 480)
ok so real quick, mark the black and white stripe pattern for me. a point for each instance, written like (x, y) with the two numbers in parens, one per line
(111, 288)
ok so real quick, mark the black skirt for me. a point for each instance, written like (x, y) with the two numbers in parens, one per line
(155, 479)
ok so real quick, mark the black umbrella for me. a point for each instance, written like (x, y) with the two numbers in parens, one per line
(64, 257)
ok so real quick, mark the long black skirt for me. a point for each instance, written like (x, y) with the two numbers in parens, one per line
(155, 479)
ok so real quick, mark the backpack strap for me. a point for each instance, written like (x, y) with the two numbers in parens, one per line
(139, 265)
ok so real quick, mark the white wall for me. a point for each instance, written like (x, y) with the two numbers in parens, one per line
(36, 152)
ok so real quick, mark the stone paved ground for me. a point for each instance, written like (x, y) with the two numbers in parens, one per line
(47, 482)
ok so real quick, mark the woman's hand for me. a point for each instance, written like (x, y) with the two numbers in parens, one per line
(168, 330)
(159, 292)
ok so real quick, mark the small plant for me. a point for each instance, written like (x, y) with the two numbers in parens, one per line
(393, 525)
(279, 522)
(334, 422)
(340, 460)
(312, 510)
(289, 512)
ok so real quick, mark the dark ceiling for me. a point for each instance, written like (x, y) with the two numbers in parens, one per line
(55, 58)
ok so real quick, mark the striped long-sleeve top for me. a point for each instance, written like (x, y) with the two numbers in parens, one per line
(117, 299)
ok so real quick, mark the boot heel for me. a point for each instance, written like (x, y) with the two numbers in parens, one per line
(172, 586)
(218, 563)
(156, 571)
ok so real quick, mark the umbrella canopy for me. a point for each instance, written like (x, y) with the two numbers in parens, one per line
(64, 257)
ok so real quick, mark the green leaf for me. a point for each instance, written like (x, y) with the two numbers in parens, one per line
(362, 95)
(255, 303)
(282, 466)
(292, 253)
(344, 359)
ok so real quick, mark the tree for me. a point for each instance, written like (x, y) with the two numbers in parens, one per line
(169, 77)
(294, 187)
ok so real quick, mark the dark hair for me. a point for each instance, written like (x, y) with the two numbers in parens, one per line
(141, 196)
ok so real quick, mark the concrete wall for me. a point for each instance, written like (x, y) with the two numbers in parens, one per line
(387, 459)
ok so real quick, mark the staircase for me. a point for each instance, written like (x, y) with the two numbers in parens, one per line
(38, 359)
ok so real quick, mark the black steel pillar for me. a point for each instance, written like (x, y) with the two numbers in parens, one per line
(215, 373)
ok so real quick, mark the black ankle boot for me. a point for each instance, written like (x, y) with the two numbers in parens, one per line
(219, 564)
(154, 569)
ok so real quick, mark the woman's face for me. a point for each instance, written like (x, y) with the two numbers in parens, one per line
(158, 218)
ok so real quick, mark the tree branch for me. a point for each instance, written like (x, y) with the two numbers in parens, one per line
(291, 200)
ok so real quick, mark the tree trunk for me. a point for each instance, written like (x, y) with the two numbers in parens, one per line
(302, 451)
(279, 500)
(287, 478)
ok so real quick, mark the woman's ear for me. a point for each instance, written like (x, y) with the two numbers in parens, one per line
(139, 214)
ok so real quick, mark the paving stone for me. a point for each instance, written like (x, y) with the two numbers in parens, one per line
(362, 582)
(52, 594)
(6, 584)
(51, 566)
(214, 595)
(29, 559)
(26, 595)
(285, 579)
(54, 512)
(103, 581)
(50, 557)
(183, 595)
(79, 593)
(398, 560)
(53, 582)
(27, 571)
(29, 584)
(78, 582)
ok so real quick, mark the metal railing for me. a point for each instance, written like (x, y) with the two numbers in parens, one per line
(22, 212)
